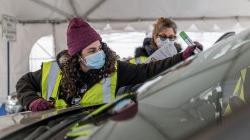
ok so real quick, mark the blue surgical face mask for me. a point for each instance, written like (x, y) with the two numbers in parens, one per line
(96, 60)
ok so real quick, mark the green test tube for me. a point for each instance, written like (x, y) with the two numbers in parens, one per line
(185, 37)
(189, 42)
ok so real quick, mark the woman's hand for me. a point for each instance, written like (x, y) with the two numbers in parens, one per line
(189, 51)
(40, 104)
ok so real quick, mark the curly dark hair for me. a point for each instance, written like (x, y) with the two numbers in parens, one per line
(73, 78)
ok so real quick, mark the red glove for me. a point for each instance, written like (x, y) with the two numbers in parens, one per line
(189, 51)
(40, 104)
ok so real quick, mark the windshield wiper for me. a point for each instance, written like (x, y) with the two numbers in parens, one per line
(62, 125)
(218, 103)
(37, 132)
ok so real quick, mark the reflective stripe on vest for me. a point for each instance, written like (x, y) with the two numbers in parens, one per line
(101, 93)
(50, 73)
(83, 131)
(138, 60)
(239, 94)
(51, 77)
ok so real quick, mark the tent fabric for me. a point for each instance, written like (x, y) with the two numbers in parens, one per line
(38, 18)
(119, 13)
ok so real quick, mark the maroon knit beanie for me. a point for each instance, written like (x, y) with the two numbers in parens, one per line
(79, 35)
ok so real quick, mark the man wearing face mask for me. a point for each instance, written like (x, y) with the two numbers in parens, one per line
(163, 36)
(87, 74)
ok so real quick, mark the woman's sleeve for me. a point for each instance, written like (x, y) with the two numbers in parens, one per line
(28, 87)
(131, 74)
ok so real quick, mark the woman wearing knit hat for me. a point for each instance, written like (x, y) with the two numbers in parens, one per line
(88, 73)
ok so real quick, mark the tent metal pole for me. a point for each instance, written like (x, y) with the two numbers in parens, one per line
(57, 10)
(92, 9)
(72, 5)
(105, 20)
(8, 67)
(54, 38)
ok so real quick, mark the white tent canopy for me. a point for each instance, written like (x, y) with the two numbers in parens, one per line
(203, 13)
(37, 18)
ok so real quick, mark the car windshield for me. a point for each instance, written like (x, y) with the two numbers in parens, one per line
(193, 96)
(222, 51)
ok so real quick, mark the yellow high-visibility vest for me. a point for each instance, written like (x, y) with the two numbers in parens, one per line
(138, 60)
(239, 91)
(101, 93)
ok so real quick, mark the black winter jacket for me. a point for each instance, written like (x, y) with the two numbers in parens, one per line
(147, 49)
(29, 85)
